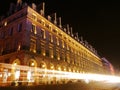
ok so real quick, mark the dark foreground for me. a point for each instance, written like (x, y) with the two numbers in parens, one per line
(69, 86)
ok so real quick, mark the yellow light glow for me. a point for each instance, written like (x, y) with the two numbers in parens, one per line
(17, 74)
(5, 23)
(87, 77)
(51, 56)
(58, 58)
(9, 74)
(43, 65)
(32, 64)
(43, 54)
(19, 47)
(0, 75)
(64, 69)
(15, 63)
(51, 67)
(29, 75)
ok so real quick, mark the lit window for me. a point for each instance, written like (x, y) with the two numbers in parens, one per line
(50, 27)
(51, 37)
(58, 55)
(52, 67)
(63, 45)
(34, 29)
(15, 64)
(68, 58)
(32, 63)
(17, 74)
(68, 47)
(59, 68)
(51, 52)
(33, 45)
(71, 50)
(42, 65)
(43, 51)
(43, 34)
(63, 56)
(29, 75)
(57, 40)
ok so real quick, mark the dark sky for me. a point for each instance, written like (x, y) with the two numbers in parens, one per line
(97, 21)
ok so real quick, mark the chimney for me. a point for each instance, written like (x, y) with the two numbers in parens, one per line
(68, 31)
(71, 31)
(60, 25)
(19, 2)
(41, 8)
(11, 9)
(49, 17)
(77, 36)
(33, 6)
(53, 17)
(19, 5)
(55, 21)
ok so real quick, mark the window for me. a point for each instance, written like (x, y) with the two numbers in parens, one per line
(68, 57)
(58, 55)
(63, 45)
(2, 35)
(11, 31)
(43, 51)
(68, 47)
(50, 27)
(51, 52)
(57, 40)
(19, 27)
(50, 37)
(63, 56)
(34, 29)
(7, 46)
(42, 34)
(15, 45)
(33, 45)
(1, 49)
(72, 50)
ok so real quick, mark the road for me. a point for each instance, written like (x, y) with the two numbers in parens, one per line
(69, 86)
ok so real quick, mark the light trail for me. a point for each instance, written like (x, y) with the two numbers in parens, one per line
(59, 74)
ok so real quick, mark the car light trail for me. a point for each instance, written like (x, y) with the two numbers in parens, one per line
(32, 72)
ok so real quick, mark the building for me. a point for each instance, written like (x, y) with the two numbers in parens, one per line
(107, 66)
(29, 41)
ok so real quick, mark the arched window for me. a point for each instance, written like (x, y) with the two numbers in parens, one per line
(32, 63)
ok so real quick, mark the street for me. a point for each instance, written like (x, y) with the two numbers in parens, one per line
(69, 86)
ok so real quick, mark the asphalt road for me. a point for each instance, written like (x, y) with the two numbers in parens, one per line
(69, 86)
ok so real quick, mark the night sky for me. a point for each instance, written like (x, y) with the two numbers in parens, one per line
(97, 22)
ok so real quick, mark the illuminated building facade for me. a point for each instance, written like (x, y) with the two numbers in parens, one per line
(107, 66)
(30, 40)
